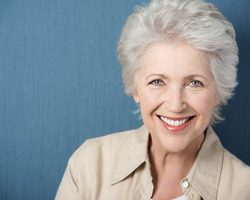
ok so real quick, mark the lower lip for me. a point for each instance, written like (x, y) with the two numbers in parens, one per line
(176, 129)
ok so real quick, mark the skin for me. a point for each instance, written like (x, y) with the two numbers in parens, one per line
(174, 82)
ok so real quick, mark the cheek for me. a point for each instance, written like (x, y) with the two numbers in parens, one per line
(204, 103)
(148, 100)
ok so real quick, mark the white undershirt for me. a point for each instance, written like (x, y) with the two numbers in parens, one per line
(183, 197)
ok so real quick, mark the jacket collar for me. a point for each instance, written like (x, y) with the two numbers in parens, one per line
(133, 154)
(204, 176)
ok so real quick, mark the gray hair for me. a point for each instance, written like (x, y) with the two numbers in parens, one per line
(196, 22)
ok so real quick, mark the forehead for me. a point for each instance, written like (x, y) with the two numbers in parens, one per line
(172, 58)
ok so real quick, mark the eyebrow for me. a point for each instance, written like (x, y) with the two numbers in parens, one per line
(159, 75)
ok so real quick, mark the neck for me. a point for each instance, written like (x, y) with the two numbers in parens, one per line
(173, 166)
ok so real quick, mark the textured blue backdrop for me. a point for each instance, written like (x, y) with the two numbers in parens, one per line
(60, 84)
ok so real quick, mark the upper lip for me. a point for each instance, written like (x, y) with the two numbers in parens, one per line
(176, 118)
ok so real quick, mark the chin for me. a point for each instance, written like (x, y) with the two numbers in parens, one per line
(175, 147)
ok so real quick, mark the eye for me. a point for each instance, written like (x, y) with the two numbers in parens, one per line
(156, 82)
(195, 83)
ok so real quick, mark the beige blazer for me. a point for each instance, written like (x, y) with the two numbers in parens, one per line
(116, 167)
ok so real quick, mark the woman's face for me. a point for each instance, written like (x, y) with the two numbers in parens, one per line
(177, 95)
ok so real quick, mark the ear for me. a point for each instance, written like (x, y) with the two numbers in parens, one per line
(136, 97)
(217, 99)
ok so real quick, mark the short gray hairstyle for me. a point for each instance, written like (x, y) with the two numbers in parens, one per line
(196, 22)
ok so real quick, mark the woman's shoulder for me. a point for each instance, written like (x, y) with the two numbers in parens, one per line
(235, 177)
(112, 140)
(234, 166)
(107, 146)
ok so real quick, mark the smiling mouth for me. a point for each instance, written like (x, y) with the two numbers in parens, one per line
(175, 123)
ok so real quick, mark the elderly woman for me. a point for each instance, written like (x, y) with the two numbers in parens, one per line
(179, 62)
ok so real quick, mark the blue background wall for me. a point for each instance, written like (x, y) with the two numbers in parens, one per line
(60, 84)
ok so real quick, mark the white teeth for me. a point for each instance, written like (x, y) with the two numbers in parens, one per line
(174, 122)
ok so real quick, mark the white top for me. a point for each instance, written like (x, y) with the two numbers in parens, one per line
(183, 197)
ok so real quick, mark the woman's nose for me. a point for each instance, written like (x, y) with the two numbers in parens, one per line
(175, 99)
